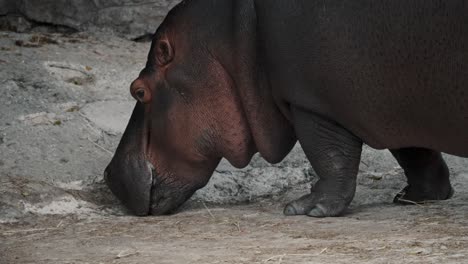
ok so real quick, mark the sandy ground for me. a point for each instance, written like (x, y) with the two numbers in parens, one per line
(63, 108)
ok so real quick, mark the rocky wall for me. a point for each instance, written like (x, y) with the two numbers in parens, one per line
(129, 18)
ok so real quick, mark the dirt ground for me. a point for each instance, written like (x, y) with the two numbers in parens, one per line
(64, 105)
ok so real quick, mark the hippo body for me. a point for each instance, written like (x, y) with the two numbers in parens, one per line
(232, 78)
(394, 73)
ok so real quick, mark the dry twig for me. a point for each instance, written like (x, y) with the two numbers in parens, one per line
(207, 209)
(282, 256)
(101, 147)
(124, 254)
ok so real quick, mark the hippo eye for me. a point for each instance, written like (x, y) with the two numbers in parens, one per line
(140, 94)
(140, 91)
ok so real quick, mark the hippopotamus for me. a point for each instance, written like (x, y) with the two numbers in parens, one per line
(228, 79)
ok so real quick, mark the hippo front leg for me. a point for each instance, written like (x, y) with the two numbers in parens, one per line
(335, 154)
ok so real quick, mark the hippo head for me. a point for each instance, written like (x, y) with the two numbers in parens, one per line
(189, 114)
(185, 120)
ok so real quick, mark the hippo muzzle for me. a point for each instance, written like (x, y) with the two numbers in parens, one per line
(129, 175)
(135, 181)
(131, 181)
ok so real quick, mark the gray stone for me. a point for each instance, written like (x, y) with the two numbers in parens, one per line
(7, 6)
(129, 18)
(75, 14)
(15, 23)
(110, 116)
(135, 19)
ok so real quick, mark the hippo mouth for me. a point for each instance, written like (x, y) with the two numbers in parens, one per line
(143, 192)
(165, 198)
(159, 203)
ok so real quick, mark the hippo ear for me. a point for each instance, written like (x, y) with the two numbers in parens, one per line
(164, 52)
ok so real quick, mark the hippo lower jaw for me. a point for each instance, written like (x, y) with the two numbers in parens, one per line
(166, 199)
(151, 198)
(131, 182)
(162, 205)
(159, 204)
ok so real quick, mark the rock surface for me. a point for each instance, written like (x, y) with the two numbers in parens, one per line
(129, 18)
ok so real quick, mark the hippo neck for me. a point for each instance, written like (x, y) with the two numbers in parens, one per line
(272, 133)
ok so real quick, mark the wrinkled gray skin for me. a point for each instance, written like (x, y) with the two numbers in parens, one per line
(334, 74)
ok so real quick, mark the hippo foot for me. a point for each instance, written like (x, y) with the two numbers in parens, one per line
(316, 205)
(410, 195)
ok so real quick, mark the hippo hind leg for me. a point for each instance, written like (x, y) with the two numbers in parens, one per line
(427, 176)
